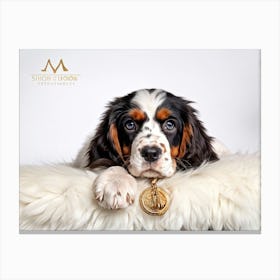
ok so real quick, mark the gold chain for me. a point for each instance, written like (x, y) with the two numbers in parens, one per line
(155, 196)
(154, 183)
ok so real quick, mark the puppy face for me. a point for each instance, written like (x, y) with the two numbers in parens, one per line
(152, 133)
(158, 135)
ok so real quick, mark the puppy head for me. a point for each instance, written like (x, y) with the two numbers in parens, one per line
(152, 133)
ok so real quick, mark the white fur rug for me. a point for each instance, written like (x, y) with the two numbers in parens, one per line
(224, 195)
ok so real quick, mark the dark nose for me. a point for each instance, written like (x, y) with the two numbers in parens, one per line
(150, 153)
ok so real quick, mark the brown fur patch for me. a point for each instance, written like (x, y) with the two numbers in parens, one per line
(115, 139)
(186, 138)
(174, 151)
(126, 150)
(137, 114)
(163, 114)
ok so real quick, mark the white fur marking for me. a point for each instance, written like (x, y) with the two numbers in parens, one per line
(149, 102)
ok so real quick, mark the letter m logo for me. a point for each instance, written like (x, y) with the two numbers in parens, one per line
(60, 64)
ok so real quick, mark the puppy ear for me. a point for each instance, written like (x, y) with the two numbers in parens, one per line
(186, 140)
(114, 138)
(195, 145)
(104, 148)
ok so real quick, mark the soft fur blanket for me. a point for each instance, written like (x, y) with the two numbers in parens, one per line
(224, 195)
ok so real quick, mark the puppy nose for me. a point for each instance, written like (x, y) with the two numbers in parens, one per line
(151, 153)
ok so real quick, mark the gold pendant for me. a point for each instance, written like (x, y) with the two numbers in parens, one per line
(154, 200)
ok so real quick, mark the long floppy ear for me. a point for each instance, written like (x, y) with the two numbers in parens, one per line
(104, 148)
(195, 145)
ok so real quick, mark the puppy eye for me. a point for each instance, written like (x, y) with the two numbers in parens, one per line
(169, 125)
(130, 125)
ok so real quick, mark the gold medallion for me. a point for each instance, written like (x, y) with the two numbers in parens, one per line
(154, 200)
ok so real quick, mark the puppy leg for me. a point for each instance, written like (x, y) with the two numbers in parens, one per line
(114, 188)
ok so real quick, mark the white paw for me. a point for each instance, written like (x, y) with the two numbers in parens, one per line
(114, 188)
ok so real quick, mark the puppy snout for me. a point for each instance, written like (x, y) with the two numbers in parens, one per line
(151, 153)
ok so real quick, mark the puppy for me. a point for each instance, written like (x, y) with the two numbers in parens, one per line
(148, 133)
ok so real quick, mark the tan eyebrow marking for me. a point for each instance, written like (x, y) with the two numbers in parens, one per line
(163, 114)
(137, 114)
